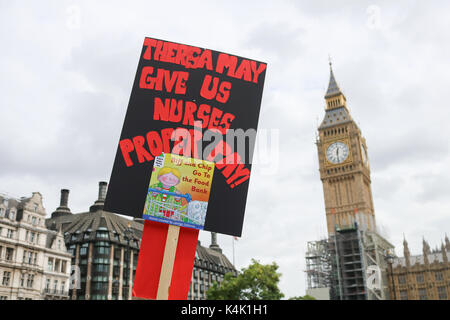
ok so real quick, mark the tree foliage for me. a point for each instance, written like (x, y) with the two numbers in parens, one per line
(305, 297)
(256, 282)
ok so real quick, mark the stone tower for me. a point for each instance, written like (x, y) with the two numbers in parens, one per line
(344, 165)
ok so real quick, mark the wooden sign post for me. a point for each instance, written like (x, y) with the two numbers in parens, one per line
(168, 262)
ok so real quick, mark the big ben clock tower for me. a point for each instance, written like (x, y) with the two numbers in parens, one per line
(344, 165)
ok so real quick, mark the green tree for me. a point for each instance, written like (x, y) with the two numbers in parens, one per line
(256, 282)
(305, 297)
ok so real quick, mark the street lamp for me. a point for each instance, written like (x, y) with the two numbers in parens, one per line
(390, 260)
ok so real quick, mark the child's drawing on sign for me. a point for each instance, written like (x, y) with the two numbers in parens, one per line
(178, 192)
(168, 179)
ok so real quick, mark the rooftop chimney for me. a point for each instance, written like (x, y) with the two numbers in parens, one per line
(214, 246)
(98, 205)
(102, 186)
(64, 198)
(63, 208)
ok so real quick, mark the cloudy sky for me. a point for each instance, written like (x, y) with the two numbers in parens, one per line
(67, 69)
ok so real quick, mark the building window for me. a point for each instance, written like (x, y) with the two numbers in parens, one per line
(401, 279)
(404, 294)
(101, 268)
(47, 285)
(55, 286)
(9, 233)
(9, 254)
(438, 276)
(57, 265)
(102, 250)
(6, 278)
(423, 294)
(29, 257)
(30, 280)
(63, 266)
(50, 264)
(22, 280)
(442, 293)
(420, 278)
(102, 235)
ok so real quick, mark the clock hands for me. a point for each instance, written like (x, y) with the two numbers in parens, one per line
(337, 152)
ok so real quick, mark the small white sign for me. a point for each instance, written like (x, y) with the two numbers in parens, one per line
(159, 161)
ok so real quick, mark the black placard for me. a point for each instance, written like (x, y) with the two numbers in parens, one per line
(171, 79)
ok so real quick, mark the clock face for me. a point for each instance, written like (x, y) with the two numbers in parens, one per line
(337, 152)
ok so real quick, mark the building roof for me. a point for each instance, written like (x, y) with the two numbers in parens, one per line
(213, 256)
(335, 117)
(51, 236)
(12, 202)
(333, 88)
(83, 226)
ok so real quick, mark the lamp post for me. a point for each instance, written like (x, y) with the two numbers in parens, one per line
(390, 260)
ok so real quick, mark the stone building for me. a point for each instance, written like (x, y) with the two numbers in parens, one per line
(34, 262)
(421, 277)
(105, 249)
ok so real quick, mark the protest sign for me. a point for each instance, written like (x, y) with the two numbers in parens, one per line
(196, 103)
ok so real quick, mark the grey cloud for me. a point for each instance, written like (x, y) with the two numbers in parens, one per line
(60, 123)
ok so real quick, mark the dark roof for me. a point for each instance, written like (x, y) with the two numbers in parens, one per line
(51, 236)
(213, 256)
(335, 117)
(83, 226)
(333, 88)
(14, 203)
